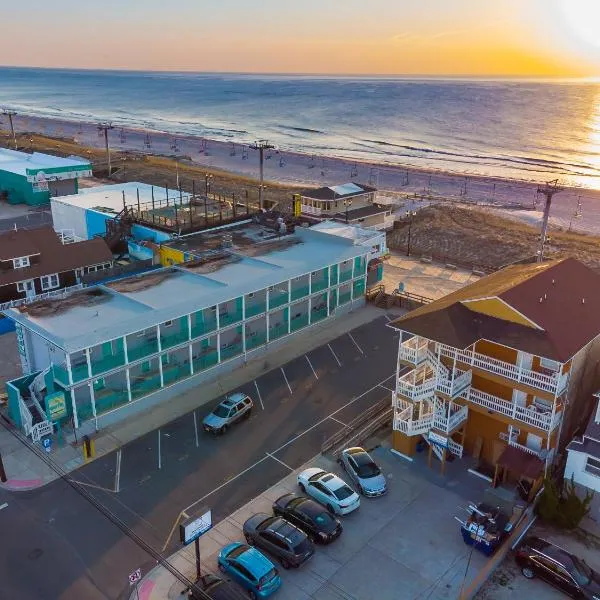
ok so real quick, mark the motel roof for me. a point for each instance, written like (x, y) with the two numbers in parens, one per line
(337, 192)
(106, 312)
(23, 163)
(551, 310)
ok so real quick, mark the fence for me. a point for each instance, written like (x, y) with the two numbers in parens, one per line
(361, 427)
(137, 266)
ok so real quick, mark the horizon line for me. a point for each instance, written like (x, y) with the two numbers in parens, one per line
(432, 76)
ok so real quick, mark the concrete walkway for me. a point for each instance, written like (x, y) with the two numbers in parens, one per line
(26, 471)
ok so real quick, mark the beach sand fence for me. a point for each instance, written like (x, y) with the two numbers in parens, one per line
(178, 211)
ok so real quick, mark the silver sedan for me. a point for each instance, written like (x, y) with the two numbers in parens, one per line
(363, 470)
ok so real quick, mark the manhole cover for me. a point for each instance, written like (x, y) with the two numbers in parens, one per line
(35, 554)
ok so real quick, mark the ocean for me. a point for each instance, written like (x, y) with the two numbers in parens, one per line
(529, 130)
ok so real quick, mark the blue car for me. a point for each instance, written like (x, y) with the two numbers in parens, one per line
(251, 569)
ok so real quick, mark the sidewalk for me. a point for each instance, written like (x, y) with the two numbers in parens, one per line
(25, 471)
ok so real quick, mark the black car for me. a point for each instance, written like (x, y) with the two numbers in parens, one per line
(539, 558)
(213, 587)
(306, 514)
(280, 538)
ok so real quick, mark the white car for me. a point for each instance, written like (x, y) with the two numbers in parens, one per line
(330, 490)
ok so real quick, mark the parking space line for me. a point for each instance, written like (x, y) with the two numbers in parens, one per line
(266, 457)
(159, 457)
(3, 506)
(334, 355)
(389, 319)
(310, 365)
(280, 461)
(196, 428)
(359, 348)
(259, 396)
(286, 380)
(92, 485)
(118, 472)
(338, 421)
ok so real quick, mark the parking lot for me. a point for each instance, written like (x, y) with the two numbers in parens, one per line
(405, 544)
(158, 479)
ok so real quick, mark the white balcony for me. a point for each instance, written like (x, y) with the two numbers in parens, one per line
(448, 417)
(413, 350)
(455, 386)
(554, 384)
(310, 210)
(529, 414)
(418, 384)
(412, 419)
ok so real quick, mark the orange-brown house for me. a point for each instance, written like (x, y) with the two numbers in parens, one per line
(510, 360)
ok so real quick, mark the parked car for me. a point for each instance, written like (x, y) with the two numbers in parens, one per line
(280, 538)
(214, 588)
(539, 558)
(318, 523)
(330, 490)
(232, 409)
(250, 568)
(363, 471)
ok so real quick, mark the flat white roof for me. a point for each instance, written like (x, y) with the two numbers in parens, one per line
(22, 163)
(182, 291)
(110, 197)
(346, 188)
(359, 235)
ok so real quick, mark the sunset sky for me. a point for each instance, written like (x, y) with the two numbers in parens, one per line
(428, 37)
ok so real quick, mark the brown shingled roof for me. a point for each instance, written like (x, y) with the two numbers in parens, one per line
(567, 313)
(55, 257)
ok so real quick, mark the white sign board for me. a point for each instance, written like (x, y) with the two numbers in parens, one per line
(135, 576)
(40, 183)
(438, 439)
(193, 528)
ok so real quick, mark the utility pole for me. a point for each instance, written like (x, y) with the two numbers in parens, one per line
(261, 146)
(548, 190)
(103, 128)
(10, 114)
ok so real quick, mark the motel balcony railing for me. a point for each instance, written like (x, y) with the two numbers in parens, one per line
(345, 275)
(413, 350)
(200, 329)
(229, 318)
(299, 322)
(528, 415)
(344, 298)
(205, 360)
(418, 384)
(318, 315)
(174, 339)
(299, 292)
(404, 421)
(107, 363)
(149, 347)
(311, 210)
(453, 386)
(79, 371)
(317, 286)
(255, 309)
(253, 341)
(448, 418)
(231, 351)
(276, 300)
(277, 332)
(554, 384)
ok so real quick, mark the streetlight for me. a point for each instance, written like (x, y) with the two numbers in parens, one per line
(207, 179)
(347, 204)
(261, 189)
(409, 215)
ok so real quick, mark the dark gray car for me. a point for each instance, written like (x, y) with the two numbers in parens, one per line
(279, 538)
(363, 471)
(232, 409)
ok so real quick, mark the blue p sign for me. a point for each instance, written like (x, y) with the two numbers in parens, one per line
(47, 443)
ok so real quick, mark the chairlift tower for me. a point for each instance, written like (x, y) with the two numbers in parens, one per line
(261, 146)
(103, 129)
(548, 190)
(10, 114)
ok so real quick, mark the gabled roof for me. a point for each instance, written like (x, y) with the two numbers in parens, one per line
(561, 298)
(337, 192)
(55, 257)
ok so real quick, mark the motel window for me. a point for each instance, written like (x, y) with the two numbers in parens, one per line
(551, 365)
(593, 466)
(24, 286)
(19, 263)
(49, 282)
(167, 324)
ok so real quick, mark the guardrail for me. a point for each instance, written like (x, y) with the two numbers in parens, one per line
(361, 427)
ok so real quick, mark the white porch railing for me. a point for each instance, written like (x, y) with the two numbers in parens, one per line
(26, 416)
(417, 389)
(455, 448)
(528, 415)
(413, 350)
(311, 210)
(554, 384)
(447, 418)
(408, 426)
(67, 236)
(524, 448)
(453, 387)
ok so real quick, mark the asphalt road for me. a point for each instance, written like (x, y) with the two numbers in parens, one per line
(179, 469)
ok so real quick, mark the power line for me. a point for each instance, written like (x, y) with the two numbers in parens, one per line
(10, 114)
(261, 146)
(548, 190)
(103, 129)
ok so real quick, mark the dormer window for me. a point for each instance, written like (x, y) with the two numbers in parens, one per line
(19, 263)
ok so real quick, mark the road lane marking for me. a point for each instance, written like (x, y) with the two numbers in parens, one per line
(118, 472)
(92, 485)
(310, 365)
(159, 457)
(286, 380)
(196, 429)
(3, 506)
(338, 421)
(280, 461)
(259, 396)
(261, 460)
(334, 355)
(352, 338)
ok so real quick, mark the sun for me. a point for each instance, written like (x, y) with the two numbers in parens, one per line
(583, 18)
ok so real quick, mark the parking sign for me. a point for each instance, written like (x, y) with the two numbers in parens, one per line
(47, 443)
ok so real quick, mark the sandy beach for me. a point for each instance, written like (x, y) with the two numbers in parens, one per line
(518, 198)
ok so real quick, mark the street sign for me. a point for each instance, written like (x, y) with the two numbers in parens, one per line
(135, 576)
(56, 405)
(193, 528)
(47, 443)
